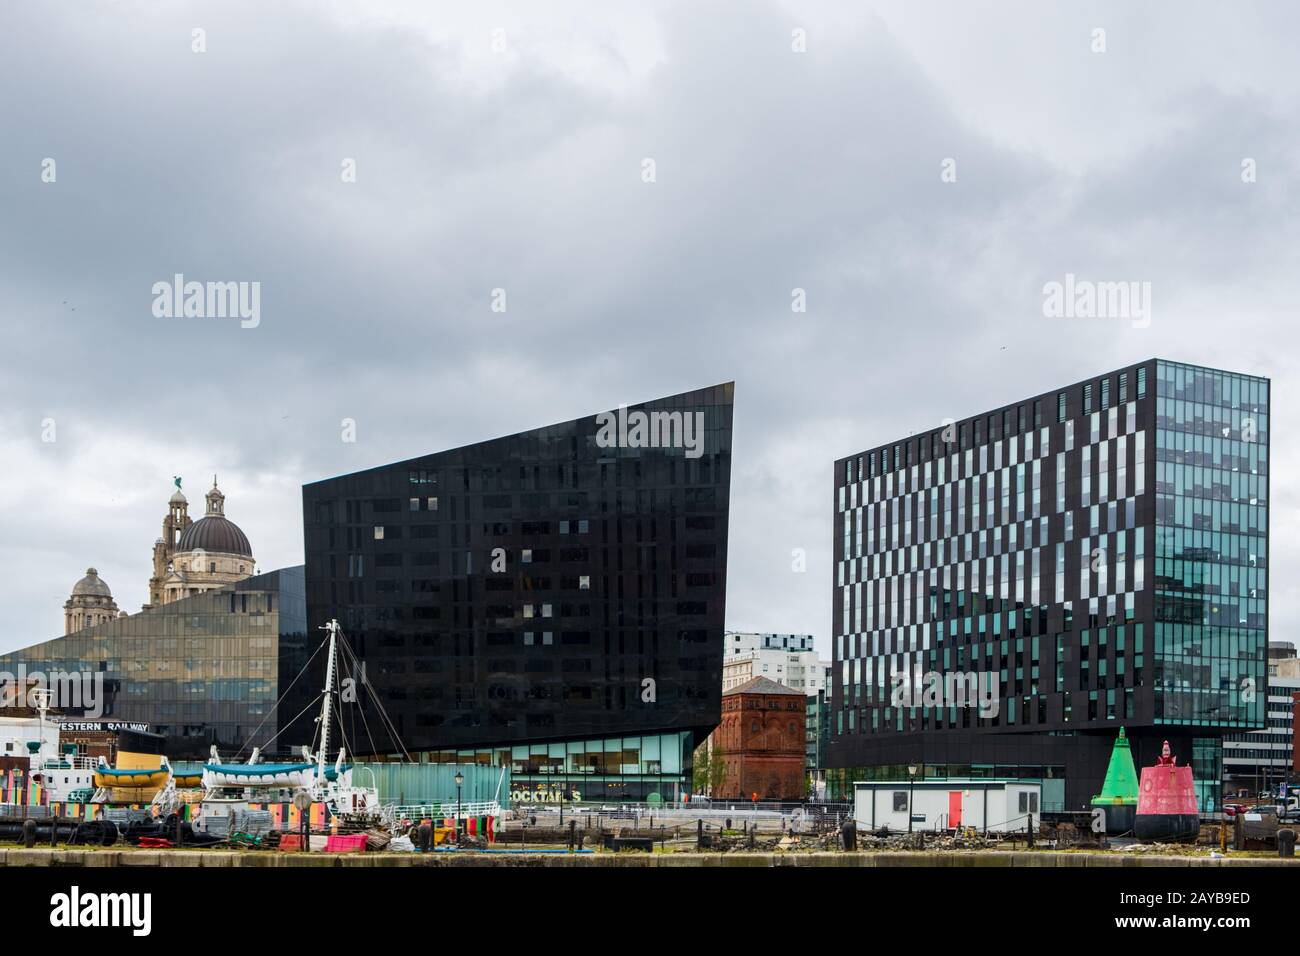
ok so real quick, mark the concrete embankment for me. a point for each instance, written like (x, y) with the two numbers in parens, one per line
(230, 859)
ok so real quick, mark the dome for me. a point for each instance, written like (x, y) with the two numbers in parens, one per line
(177, 498)
(92, 585)
(215, 533)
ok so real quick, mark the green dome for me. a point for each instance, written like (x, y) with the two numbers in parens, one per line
(1121, 784)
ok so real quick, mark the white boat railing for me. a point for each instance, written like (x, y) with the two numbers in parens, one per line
(68, 763)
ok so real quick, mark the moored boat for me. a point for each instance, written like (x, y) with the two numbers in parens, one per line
(233, 786)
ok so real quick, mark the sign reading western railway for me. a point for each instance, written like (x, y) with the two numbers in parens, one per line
(85, 726)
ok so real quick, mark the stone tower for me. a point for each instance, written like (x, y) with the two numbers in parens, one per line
(174, 525)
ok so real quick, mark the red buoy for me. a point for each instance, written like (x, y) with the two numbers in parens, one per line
(1166, 807)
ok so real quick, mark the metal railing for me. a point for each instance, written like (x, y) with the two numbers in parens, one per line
(418, 811)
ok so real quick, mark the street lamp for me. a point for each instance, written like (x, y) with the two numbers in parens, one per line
(911, 790)
(460, 778)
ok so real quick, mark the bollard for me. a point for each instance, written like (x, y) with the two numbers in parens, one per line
(1286, 842)
(29, 833)
(849, 833)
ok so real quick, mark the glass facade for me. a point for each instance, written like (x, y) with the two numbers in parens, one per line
(541, 591)
(1106, 568)
(202, 670)
(648, 767)
(1211, 573)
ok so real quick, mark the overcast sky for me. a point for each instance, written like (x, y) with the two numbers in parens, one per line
(502, 146)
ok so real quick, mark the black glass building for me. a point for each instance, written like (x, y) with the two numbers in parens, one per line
(201, 670)
(553, 600)
(1098, 553)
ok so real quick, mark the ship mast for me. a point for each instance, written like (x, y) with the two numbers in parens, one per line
(333, 628)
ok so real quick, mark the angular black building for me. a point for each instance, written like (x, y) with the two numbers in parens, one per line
(1097, 553)
(552, 601)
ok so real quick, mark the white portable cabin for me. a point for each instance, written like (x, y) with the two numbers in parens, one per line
(985, 804)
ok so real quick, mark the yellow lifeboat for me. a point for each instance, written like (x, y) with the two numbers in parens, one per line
(137, 778)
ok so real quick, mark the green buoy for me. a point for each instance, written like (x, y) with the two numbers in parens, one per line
(1119, 794)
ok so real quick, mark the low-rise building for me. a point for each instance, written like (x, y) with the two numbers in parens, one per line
(761, 740)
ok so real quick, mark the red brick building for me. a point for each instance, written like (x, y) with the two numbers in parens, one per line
(762, 740)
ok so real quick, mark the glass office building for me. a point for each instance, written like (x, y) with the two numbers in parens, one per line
(648, 767)
(199, 671)
(553, 600)
(1091, 557)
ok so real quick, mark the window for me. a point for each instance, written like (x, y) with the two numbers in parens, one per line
(1060, 407)
(584, 582)
(1087, 399)
(379, 532)
(1038, 413)
(415, 504)
(1105, 393)
(1123, 387)
(1142, 381)
(432, 504)
(526, 556)
(900, 801)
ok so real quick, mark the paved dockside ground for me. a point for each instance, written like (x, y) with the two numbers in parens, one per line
(225, 858)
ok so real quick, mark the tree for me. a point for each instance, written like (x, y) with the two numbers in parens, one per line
(710, 768)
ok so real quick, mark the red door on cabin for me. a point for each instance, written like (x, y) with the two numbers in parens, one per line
(954, 808)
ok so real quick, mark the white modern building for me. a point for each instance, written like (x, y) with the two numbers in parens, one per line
(987, 804)
(788, 659)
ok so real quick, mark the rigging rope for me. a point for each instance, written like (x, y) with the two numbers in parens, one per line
(379, 706)
(268, 714)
